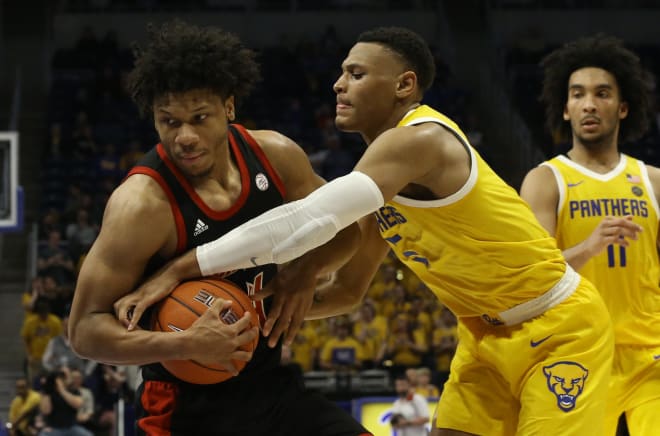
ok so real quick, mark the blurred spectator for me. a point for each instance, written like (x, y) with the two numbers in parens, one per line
(109, 384)
(107, 163)
(58, 297)
(29, 297)
(36, 332)
(81, 234)
(131, 156)
(370, 330)
(444, 341)
(58, 352)
(417, 311)
(411, 375)
(50, 221)
(23, 409)
(59, 406)
(394, 301)
(304, 347)
(410, 411)
(424, 386)
(342, 351)
(55, 260)
(406, 344)
(337, 161)
(85, 413)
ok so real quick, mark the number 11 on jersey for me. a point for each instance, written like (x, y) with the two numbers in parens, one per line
(611, 259)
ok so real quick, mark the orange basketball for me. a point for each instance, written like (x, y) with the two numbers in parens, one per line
(188, 302)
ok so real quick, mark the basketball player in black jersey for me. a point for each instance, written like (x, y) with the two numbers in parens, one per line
(204, 178)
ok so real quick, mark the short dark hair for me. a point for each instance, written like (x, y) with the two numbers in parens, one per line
(608, 53)
(410, 46)
(180, 57)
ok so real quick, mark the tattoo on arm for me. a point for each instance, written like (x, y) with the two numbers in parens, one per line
(318, 297)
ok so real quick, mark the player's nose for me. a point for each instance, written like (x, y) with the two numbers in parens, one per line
(186, 135)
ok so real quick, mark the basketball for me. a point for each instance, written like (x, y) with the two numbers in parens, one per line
(184, 305)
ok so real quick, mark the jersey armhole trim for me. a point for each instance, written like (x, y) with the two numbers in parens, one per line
(649, 187)
(561, 186)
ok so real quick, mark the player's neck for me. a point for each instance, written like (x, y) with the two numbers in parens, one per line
(596, 159)
(393, 120)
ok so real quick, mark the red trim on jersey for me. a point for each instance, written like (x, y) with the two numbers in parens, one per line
(262, 157)
(158, 401)
(217, 215)
(181, 234)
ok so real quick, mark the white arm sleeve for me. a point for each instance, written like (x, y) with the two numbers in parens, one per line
(289, 231)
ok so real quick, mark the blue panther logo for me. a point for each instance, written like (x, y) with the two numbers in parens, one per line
(566, 381)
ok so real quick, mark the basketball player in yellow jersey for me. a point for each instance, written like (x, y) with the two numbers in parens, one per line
(602, 206)
(536, 342)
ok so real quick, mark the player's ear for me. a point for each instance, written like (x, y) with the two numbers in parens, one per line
(623, 110)
(230, 108)
(407, 84)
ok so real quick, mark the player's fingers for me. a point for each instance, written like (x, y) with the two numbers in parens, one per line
(262, 294)
(229, 366)
(296, 323)
(135, 315)
(281, 326)
(121, 312)
(219, 305)
(243, 323)
(243, 356)
(246, 337)
(273, 315)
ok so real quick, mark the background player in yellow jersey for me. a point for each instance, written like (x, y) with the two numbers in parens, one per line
(467, 235)
(602, 206)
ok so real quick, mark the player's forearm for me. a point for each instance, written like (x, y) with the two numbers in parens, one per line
(334, 299)
(100, 337)
(331, 256)
(578, 255)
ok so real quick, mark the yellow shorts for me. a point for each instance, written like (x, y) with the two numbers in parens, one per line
(635, 390)
(547, 375)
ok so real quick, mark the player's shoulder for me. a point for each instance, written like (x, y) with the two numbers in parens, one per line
(416, 141)
(273, 142)
(287, 158)
(654, 177)
(139, 196)
(542, 172)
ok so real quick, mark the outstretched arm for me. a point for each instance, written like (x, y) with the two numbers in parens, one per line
(398, 157)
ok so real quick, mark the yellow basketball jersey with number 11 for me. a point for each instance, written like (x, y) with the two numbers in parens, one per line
(627, 277)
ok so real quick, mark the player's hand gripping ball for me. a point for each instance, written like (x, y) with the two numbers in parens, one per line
(184, 305)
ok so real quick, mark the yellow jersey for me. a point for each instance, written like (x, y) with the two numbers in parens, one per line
(480, 250)
(628, 278)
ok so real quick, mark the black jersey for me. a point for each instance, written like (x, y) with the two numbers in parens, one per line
(197, 224)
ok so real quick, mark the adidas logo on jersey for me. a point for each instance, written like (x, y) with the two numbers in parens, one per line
(200, 227)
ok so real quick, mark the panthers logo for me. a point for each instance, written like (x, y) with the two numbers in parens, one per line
(566, 381)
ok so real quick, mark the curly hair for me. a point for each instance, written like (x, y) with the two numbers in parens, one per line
(608, 53)
(180, 57)
(410, 46)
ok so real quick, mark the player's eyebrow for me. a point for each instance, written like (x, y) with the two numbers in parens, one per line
(200, 108)
(599, 86)
(351, 66)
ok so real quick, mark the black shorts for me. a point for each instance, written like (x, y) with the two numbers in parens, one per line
(272, 403)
